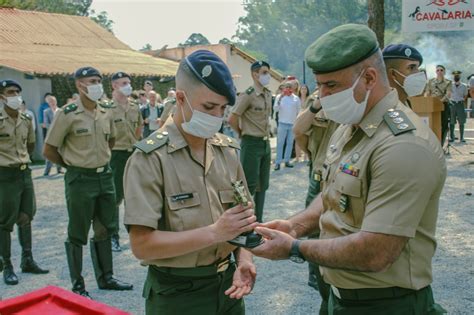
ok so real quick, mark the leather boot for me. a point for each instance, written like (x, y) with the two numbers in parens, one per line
(28, 264)
(101, 253)
(259, 199)
(115, 243)
(74, 261)
(9, 275)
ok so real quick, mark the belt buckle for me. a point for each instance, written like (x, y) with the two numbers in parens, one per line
(223, 266)
(129, 150)
(99, 169)
(265, 138)
(335, 291)
(317, 177)
(23, 167)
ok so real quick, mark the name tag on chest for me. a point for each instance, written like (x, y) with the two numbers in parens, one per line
(83, 130)
(183, 196)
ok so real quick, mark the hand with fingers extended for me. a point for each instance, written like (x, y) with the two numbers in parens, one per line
(243, 281)
(277, 244)
(234, 221)
(280, 225)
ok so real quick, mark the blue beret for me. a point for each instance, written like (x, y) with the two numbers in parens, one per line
(7, 83)
(402, 51)
(258, 64)
(208, 68)
(119, 75)
(86, 72)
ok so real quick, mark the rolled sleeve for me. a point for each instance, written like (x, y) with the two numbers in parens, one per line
(242, 104)
(404, 177)
(143, 185)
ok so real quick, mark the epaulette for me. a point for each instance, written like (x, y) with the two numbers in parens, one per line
(106, 104)
(223, 140)
(154, 141)
(69, 108)
(250, 90)
(398, 122)
(26, 116)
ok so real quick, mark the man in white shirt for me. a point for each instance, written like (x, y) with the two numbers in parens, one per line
(288, 106)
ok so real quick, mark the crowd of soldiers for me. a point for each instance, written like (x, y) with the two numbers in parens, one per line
(368, 230)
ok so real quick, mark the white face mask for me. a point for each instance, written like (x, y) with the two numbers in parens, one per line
(264, 79)
(14, 102)
(201, 125)
(414, 83)
(126, 90)
(94, 92)
(342, 108)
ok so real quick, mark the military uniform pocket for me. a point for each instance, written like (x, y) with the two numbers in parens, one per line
(83, 138)
(351, 205)
(185, 212)
(71, 177)
(226, 196)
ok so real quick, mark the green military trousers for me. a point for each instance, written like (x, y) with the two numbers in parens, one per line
(314, 273)
(117, 163)
(419, 302)
(169, 294)
(255, 156)
(90, 196)
(17, 197)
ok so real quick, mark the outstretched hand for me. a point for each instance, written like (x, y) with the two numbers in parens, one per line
(243, 282)
(277, 244)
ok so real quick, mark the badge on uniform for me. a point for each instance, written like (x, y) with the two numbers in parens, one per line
(343, 203)
(349, 169)
(118, 120)
(83, 130)
(183, 196)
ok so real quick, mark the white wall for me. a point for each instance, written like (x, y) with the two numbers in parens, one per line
(33, 91)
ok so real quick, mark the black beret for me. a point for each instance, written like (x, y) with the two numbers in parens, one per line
(456, 72)
(208, 68)
(402, 51)
(341, 47)
(7, 83)
(119, 75)
(258, 64)
(86, 72)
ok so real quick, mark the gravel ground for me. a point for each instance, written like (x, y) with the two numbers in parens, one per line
(281, 286)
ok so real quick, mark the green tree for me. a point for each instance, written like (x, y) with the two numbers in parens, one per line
(146, 47)
(195, 39)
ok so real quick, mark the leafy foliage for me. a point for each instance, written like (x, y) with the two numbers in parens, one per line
(195, 39)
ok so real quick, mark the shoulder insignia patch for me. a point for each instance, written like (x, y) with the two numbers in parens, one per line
(223, 140)
(398, 122)
(70, 108)
(154, 141)
(250, 90)
(26, 116)
(106, 104)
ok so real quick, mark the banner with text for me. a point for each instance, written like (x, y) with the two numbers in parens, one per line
(437, 15)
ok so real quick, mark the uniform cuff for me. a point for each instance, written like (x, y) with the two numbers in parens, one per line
(389, 229)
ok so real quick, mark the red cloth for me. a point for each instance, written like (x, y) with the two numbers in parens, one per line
(57, 301)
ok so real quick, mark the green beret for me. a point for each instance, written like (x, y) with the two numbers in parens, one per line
(340, 48)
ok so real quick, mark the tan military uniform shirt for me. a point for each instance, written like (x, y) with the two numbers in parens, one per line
(126, 120)
(438, 88)
(254, 106)
(14, 137)
(376, 181)
(81, 136)
(169, 190)
(168, 110)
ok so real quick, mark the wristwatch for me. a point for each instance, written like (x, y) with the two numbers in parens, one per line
(295, 254)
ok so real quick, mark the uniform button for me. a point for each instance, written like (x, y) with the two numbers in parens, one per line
(164, 133)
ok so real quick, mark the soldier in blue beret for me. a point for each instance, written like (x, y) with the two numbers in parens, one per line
(377, 210)
(17, 196)
(81, 138)
(403, 71)
(250, 118)
(179, 200)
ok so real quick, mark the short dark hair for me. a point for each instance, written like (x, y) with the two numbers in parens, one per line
(46, 95)
(441, 66)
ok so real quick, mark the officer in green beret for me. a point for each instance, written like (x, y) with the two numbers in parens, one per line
(17, 195)
(81, 138)
(377, 211)
(250, 118)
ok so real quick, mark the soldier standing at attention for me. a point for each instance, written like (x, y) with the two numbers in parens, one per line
(81, 138)
(17, 195)
(128, 121)
(250, 118)
(378, 209)
(458, 102)
(179, 201)
(440, 87)
(403, 71)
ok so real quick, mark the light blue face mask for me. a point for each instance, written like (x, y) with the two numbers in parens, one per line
(201, 125)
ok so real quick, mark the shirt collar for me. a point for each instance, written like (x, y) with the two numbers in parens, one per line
(374, 117)
(176, 140)
(259, 90)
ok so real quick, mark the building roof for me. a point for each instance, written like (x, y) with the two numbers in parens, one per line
(49, 44)
(218, 49)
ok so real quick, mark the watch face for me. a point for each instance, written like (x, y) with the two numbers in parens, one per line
(297, 259)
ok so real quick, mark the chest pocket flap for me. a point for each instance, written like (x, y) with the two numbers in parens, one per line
(226, 196)
(348, 185)
(82, 131)
(183, 200)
